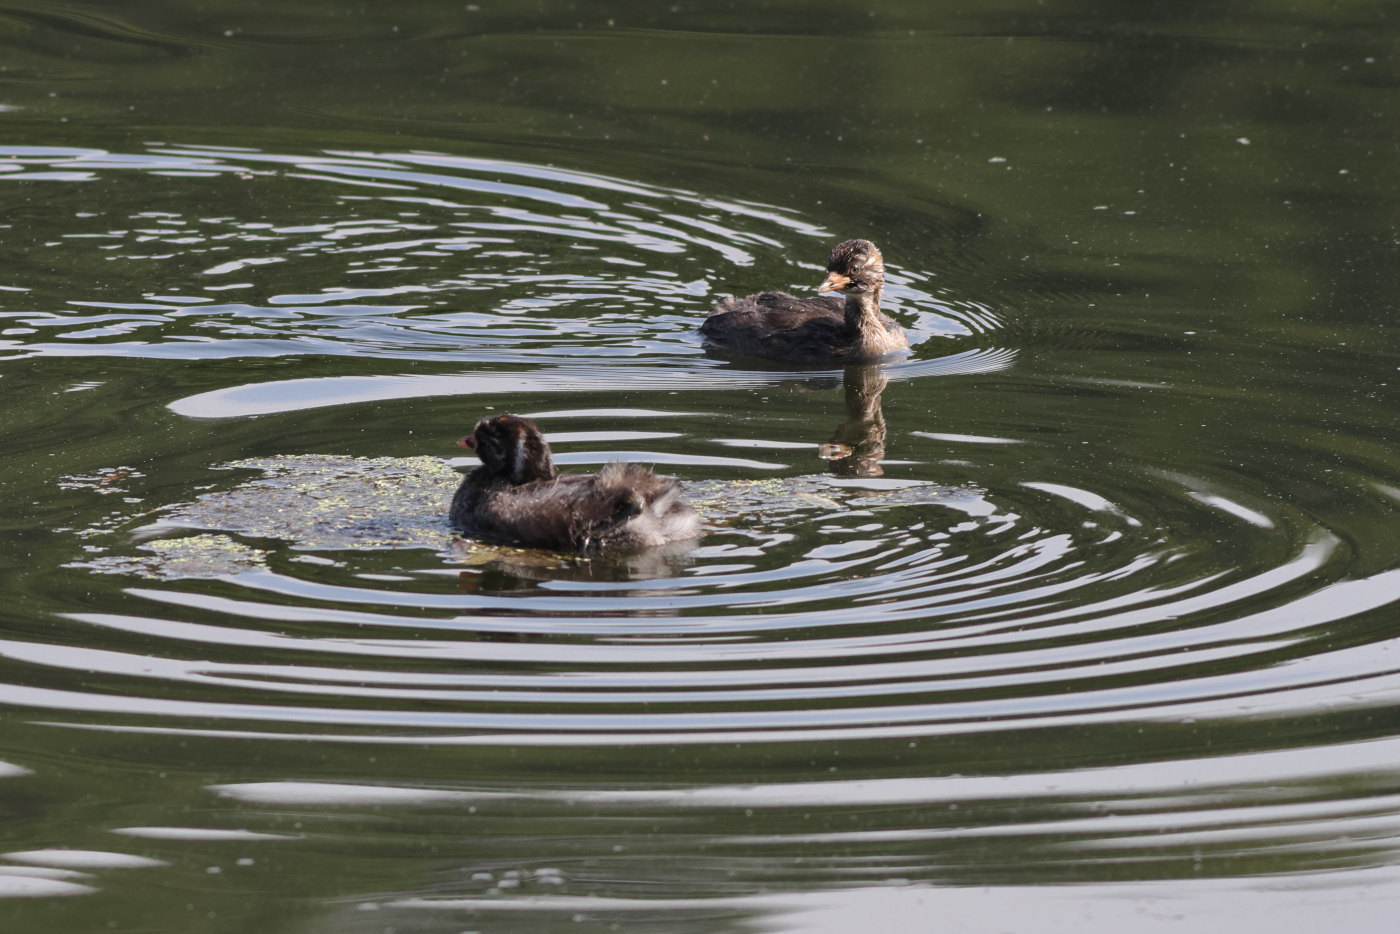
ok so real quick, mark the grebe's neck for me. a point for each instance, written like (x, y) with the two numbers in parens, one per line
(863, 311)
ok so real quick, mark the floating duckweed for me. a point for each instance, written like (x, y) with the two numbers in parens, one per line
(723, 501)
(182, 558)
(106, 480)
(324, 502)
(476, 554)
(318, 502)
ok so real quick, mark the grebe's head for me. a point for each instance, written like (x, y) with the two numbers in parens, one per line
(511, 448)
(855, 266)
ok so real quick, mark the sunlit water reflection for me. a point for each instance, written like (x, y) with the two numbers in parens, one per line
(1036, 666)
(413, 256)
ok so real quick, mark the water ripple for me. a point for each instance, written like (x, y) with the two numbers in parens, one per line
(568, 264)
(864, 609)
(880, 582)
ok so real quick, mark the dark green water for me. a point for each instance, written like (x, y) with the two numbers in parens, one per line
(1109, 644)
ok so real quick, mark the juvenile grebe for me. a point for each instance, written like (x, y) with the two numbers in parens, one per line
(824, 329)
(517, 497)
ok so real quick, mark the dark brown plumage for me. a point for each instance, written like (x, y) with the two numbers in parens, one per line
(517, 497)
(824, 329)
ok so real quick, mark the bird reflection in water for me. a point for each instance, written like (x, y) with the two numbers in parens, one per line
(858, 444)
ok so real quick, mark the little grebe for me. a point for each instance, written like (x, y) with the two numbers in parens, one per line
(517, 497)
(824, 329)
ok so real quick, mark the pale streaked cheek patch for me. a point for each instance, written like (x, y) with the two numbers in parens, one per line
(518, 457)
